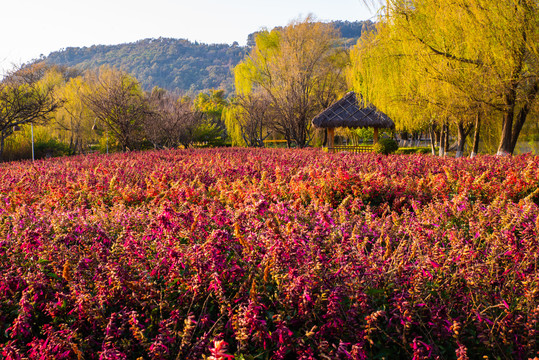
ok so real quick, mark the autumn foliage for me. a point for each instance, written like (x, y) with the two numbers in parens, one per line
(265, 254)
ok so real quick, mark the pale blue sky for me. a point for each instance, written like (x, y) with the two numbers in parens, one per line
(30, 28)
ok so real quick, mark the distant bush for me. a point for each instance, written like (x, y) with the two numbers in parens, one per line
(385, 146)
(19, 145)
(51, 148)
(413, 150)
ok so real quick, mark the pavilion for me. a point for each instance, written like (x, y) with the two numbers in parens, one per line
(347, 112)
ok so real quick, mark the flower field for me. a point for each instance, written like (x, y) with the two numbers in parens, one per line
(269, 254)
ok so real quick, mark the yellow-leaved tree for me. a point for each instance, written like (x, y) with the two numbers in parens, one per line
(299, 70)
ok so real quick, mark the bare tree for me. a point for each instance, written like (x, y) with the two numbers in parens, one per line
(23, 101)
(118, 102)
(254, 117)
(172, 122)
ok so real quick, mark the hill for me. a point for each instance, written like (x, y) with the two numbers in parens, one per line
(178, 64)
(173, 64)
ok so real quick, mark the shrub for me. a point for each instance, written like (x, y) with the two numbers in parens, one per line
(413, 150)
(51, 148)
(423, 150)
(405, 151)
(385, 146)
(19, 145)
(208, 135)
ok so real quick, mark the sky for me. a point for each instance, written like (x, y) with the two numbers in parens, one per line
(31, 28)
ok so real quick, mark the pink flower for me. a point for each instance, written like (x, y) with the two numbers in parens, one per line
(220, 347)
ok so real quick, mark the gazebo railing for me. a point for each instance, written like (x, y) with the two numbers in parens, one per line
(350, 148)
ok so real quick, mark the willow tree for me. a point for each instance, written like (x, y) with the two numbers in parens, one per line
(384, 71)
(300, 69)
(73, 122)
(481, 54)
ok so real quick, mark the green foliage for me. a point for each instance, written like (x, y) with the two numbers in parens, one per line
(363, 134)
(25, 98)
(118, 103)
(107, 144)
(213, 131)
(231, 114)
(350, 31)
(18, 147)
(385, 146)
(300, 69)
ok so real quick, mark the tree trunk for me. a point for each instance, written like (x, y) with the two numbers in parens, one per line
(517, 126)
(75, 147)
(446, 141)
(443, 140)
(404, 138)
(432, 140)
(522, 115)
(507, 128)
(1, 146)
(511, 127)
(475, 148)
(288, 140)
(415, 138)
(441, 144)
(461, 138)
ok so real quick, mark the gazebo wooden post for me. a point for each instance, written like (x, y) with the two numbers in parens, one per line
(375, 136)
(331, 138)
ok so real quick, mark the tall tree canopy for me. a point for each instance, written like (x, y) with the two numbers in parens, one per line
(299, 69)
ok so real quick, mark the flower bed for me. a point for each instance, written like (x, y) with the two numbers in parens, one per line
(263, 254)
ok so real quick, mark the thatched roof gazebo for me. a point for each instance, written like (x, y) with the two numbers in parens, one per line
(347, 112)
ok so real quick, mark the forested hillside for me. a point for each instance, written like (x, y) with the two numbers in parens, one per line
(173, 64)
(177, 64)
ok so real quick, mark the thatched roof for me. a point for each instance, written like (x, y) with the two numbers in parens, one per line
(347, 113)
